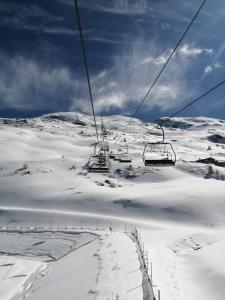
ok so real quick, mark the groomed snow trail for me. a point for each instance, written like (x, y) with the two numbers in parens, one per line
(104, 267)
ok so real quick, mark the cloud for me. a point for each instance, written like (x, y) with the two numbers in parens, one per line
(27, 85)
(192, 51)
(135, 70)
(39, 28)
(158, 60)
(27, 12)
(186, 51)
(209, 69)
(33, 18)
(167, 10)
(127, 7)
(124, 86)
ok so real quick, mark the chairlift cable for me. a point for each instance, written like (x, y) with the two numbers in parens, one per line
(166, 63)
(169, 58)
(85, 64)
(196, 100)
(181, 109)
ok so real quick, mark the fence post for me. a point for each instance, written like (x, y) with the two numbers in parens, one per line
(151, 272)
(97, 224)
(146, 253)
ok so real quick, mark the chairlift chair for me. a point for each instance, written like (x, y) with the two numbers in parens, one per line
(104, 132)
(112, 155)
(125, 158)
(99, 163)
(104, 145)
(159, 153)
(123, 155)
(117, 155)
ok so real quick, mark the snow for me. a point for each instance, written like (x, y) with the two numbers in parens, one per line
(14, 273)
(79, 264)
(179, 211)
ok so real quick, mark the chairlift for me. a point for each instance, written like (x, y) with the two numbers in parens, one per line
(104, 145)
(112, 155)
(123, 155)
(104, 132)
(159, 153)
(99, 163)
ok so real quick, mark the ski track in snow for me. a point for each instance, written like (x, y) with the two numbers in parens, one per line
(179, 211)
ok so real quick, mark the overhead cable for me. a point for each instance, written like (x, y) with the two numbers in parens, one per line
(181, 109)
(86, 64)
(166, 63)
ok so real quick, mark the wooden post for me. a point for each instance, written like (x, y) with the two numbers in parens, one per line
(158, 294)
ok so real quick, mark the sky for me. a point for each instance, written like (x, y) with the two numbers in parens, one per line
(127, 43)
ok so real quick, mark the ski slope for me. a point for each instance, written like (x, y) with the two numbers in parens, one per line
(179, 211)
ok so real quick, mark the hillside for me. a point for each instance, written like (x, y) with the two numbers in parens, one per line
(179, 211)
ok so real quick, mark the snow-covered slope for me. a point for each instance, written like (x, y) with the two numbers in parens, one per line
(180, 211)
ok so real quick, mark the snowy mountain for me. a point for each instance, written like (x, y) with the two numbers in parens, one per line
(179, 210)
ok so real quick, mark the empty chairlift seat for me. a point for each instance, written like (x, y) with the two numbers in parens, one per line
(125, 157)
(104, 146)
(122, 155)
(98, 163)
(159, 154)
